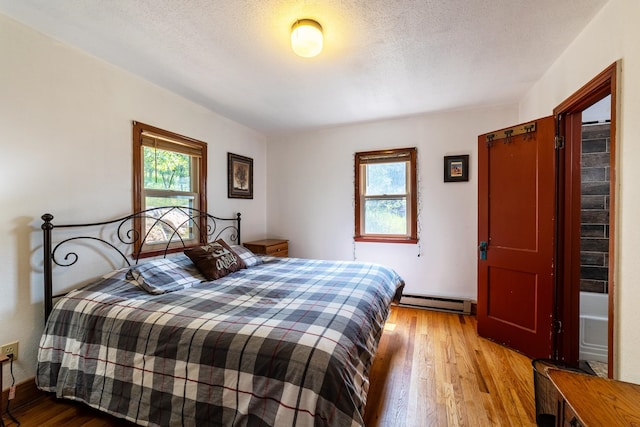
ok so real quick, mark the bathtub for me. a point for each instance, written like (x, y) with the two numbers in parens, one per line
(594, 319)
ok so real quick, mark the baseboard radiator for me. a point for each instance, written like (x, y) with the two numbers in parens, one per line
(454, 305)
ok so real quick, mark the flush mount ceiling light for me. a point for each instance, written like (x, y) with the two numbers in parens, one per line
(306, 38)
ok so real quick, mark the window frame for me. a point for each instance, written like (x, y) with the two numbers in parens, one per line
(408, 155)
(181, 144)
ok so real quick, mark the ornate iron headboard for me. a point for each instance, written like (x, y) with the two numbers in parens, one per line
(126, 237)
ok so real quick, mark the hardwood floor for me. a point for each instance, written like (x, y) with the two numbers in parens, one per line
(431, 369)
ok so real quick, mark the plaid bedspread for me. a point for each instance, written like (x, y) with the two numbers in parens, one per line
(285, 343)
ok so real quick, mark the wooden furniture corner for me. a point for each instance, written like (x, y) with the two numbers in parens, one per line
(3, 360)
(271, 247)
(587, 400)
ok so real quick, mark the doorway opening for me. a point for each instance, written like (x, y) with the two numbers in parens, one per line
(586, 224)
(595, 161)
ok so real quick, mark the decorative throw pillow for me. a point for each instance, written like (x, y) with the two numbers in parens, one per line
(250, 259)
(215, 260)
(164, 275)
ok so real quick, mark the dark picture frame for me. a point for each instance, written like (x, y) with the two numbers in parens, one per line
(239, 176)
(456, 168)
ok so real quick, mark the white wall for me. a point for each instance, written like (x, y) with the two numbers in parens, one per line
(66, 149)
(612, 35)
(311, 194)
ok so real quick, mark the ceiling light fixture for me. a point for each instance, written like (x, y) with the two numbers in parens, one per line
(306, 38)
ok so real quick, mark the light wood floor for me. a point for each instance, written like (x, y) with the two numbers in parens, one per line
(431, 369)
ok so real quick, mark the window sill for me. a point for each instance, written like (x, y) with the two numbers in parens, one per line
(386, 240)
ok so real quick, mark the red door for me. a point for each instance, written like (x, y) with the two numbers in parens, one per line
(516, 234)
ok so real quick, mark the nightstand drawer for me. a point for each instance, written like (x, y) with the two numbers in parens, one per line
(281, 249)
(271, 247)
(569, 418)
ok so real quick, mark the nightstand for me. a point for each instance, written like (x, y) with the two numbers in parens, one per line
(272, 247)
(3, 359)
(587, 400)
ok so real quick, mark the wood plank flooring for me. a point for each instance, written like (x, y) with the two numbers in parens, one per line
(431, 369)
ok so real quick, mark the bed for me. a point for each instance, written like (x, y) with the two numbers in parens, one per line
(281, 342)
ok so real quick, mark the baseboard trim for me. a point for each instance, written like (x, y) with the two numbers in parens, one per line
(26, 392)
(442, 303)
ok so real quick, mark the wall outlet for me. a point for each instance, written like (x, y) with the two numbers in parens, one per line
(11, 348)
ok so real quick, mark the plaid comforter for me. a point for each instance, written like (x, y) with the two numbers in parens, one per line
(285, 343)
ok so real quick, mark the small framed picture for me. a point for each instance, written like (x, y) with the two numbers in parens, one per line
(456, 168)
(239, 177)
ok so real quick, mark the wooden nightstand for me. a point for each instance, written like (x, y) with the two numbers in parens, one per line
(587, 400)
(3, 359)
(272, 247)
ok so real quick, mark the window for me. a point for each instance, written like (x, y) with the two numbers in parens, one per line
(168, 170)
(386, 199)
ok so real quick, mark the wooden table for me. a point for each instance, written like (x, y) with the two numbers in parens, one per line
(594, 402)
(272, 247)
(3, 359)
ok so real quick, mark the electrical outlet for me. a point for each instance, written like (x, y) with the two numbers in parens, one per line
(11, 348)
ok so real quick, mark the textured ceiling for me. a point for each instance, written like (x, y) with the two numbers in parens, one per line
(382, 58)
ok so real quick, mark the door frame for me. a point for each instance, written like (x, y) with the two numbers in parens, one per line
(568, 117)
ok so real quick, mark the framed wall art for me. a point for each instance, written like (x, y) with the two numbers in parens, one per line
(456, 168)
(239, 177)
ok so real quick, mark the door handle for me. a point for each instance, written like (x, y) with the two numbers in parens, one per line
(483, 250)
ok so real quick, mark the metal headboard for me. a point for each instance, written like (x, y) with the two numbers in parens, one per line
(125, 237)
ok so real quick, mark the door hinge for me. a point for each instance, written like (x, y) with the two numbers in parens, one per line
(559, 142)
(557, 326)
